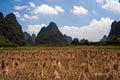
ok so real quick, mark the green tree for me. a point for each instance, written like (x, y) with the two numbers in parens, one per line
(22, 43)
(84, 41)
(75, 41)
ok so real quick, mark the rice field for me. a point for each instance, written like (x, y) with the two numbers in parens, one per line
(60, 63)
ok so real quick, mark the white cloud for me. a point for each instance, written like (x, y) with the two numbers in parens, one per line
(17, 14)
(42, 9)
(100, 1)
(32, 4)
(46, 9)
(112, 5)
(58, 8)
(25, 7)
(79, 10)
(34, 17)
(22, 19)
(26, 16)
(35, 28)
(93, 32)
(21, 7)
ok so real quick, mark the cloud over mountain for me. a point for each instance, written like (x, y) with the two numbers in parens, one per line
(93, 32)
(35, 28)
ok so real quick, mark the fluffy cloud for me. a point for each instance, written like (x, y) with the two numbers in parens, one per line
(93, 32)
(112, 5)
(26, 16)
(35, 28)
(42, 9)
(58, 8)
(22, 19)
(21, 7)
(79, 10)
(46, 9)
(17, 14)
(32, 4)
(25, 7)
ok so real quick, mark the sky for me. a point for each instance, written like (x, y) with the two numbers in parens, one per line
(88, 19)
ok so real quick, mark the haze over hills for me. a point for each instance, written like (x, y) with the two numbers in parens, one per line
(68, 38)
(30, 39)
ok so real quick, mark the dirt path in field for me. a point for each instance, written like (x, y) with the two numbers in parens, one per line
(59, 64)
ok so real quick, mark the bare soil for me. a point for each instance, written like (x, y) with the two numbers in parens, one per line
(61, 63)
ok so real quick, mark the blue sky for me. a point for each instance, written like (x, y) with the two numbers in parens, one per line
(90, 19)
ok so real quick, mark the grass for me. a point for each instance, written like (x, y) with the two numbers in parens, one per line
(115, 49)
(18, 48)
(110, 48)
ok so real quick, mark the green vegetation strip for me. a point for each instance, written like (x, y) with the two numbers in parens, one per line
(18, 48)
(106, 48)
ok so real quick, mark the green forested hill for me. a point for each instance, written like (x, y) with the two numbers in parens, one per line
(10, 29)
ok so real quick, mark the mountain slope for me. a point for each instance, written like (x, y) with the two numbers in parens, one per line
(115, 30)
(30, 39)
(50, 35)
(11, 29)
(33, 38)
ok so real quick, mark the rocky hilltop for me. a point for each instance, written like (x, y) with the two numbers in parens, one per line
(115, 30)
(50, 35)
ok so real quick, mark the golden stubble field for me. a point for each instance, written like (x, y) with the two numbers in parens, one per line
(60, 63)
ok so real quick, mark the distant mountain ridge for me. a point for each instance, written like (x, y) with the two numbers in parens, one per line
(104, 39)
(68, 39)
(30, 39)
